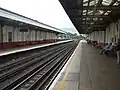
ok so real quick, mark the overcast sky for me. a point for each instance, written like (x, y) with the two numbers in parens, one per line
(46, 11)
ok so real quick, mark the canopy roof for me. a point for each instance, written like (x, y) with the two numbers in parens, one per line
(10, 18)
(91, 15)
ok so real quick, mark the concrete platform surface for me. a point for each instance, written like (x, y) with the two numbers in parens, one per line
(25, 48)
(88, 70)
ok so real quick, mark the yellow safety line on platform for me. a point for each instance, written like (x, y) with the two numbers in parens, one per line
(62, 83)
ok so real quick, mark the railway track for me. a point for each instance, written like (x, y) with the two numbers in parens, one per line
(24, 60)
(46, 66)
(32, 60)
(16, 57)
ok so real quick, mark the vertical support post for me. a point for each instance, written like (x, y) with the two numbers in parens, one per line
(35, 35)
(105, 36)
(14, 34)
(30, 35)
(117, 36)
(1, 29)
(45, 35)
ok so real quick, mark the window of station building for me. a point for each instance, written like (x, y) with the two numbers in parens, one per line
(9, 36)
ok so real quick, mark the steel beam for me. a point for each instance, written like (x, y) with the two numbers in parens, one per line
(94, 25)
(90, 16)
(90, 20)
(87, 1)
(101, 8)
(95, 16)
(97, 8)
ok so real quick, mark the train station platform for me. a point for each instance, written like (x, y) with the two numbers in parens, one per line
(30, 47)
(88, 70)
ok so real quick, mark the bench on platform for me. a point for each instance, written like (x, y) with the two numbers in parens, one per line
(94, 43)
(89, 41)
(100, 45)
(111, 53)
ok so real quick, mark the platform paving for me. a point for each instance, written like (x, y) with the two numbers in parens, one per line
(11, 50)
(88, 70)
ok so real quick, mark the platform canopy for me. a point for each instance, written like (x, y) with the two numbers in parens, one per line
(10, 18)
(91, 15)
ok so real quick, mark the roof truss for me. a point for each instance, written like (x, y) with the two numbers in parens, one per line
(96, 12)
(92, 14)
